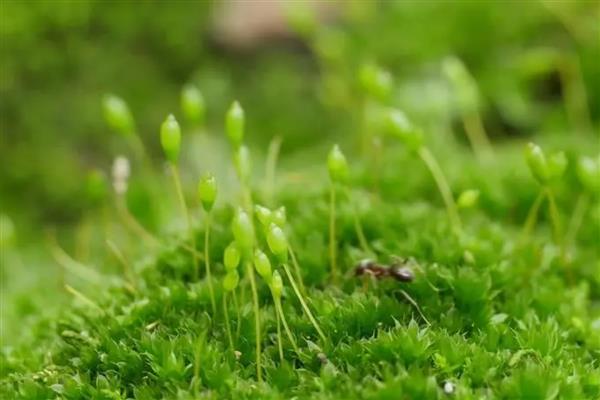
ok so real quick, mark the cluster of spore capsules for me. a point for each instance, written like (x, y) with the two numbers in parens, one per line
(269, 255)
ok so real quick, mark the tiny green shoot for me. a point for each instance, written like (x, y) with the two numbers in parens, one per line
(467, 95)
(468, 198)
(546, 171)
(588, 174)
(234, 125)
(243, 233)
(338, 173)
(400, 127)
(207, 192)
(231, 261)
(192, 104)
(278, 245)
(170, 139)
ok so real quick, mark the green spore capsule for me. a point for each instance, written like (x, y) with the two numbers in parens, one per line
(170, 138)
(376, 81)
(243, 164)
(243, 232)
(468, 198)
(192, 104)
(557, 165)
(207, 191)
(279, 216)
(588, 172)
(117, 115)
(231, 280)
(231, 257)
(536, 160)
(337, 165)
(263, 265)
(462, 83)
(263, 214)
(277, 242)
(276, 285)
(399, 126)
(234, 124)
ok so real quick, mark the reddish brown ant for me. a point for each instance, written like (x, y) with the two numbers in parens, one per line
(398, 270)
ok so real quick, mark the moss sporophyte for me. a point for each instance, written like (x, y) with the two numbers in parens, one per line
(399, 127)
(207, 193)
(486, 322)
(546, 171)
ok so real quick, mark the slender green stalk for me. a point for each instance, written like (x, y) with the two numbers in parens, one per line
(270, 167)
(574, 92)
(279, 342)
(238, 316)
(207, 260)
(554, 216)
(250, 271)
(575, 222)
(186, 213)
(68, 264)
(332, 242)
(414, 303)
(285, 325)
(358, 225)
(127, 269)
(227, 326)
(442, 185)
(297, 270)
(133, 225)
(84, 298)
(532, 214)
(477, 136)
(302, 302)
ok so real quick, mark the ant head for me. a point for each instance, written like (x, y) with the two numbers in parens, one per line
(402, 274)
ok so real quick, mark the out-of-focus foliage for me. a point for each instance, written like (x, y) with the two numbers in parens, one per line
(60, 58)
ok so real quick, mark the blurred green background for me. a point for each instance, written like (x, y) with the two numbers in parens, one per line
(294, 66)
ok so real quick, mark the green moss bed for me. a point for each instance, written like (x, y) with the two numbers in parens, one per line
(495, 314)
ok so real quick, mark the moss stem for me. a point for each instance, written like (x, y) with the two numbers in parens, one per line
(532, 214)
(270, 167)
(127, 269)
(477, 136)
(279, 342)
(303, 303)
(297, 270)
(227, 325)
(358, 224)
(285, 325)
(332, 241)
(554, 217)
(238, 316)
(186, 213)
(132, 223)
(443, 187)
(250, 271)
(207, 260)
(575, 222)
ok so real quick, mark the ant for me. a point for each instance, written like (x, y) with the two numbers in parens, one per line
(398, 270)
